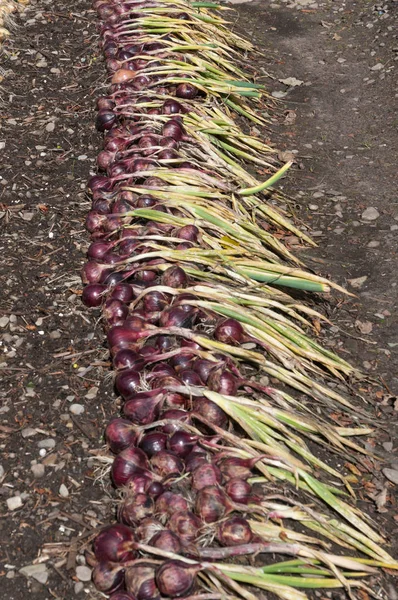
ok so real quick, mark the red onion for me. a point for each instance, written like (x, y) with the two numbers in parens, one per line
(93, 295)
(140, 582)
(152, 443)
(128, 359)
(144, 407)
(166, 540)
(128, 463)
(229, 331)
(187, 91)
(114, 544)
(181, 443)
(169, 503)
(211, 504)
(238, 490)
(135, 508)
(234, 532)
(121, 596)
(105, 120)
(175, 277)
(204, 475)
(174, 414)
(119, 434)
(147, 529)
(123, 292)
(175, 578)
(108, 578)
(166, 464)
(127, 383)
(223, 382)
(185, 525)
(210, 411)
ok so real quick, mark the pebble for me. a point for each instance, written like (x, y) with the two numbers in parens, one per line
(55, 335)
(38, 470)
(374, 244)
(28, 432)
(76, 409)
(78, 587)
(14, 502)
(83, 573)
(38, 572)
(370, 214)
(4, 322)
(377, 67)
(391, 474)
(50, 127)
(47, 443)
(1, 471)
(313, 206)
(63, 491)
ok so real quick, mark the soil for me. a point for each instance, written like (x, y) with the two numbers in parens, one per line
(340, 126)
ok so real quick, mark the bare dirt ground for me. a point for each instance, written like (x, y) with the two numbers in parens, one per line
(337, 118)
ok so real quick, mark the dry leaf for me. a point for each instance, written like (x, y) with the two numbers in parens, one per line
(291, 81)
(364, 327)
(357, 282)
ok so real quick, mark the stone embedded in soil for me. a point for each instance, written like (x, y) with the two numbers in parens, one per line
(63, 491)
(83, 573)
(76, 409)
(370, 214)
(28, 432)
(38, 572)
(14, 502)
(48, 443)
(38, 470)
(392, 475)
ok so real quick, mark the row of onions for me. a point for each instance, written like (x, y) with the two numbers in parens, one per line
(225, 393)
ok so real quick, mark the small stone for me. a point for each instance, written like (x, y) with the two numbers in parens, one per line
(388, 446)
(55, 70)
(392, 475)
(92, 392)
(28, 432)
(370, 214)
(76, 409)
(38, 572)
(38, 470)
(82, 157)
(278, 94)
(1, 471)
(313, 206)
(63, 491)
(48, 443)
(55, 335)
(374, 244)
(14, 502)
(78, 587)
(50, 127)
(4, 322)
(83, 573)
(377, 67)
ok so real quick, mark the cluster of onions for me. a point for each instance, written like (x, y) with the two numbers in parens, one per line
(186, 494)
(176, 483)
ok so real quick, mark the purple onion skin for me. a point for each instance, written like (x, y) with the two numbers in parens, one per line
(186, 525)
(119, 435)
(175, 578)
(166, 540)
(122, 596)
(140, 581)
(112, 544)
(107, 578)
(93, 295)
